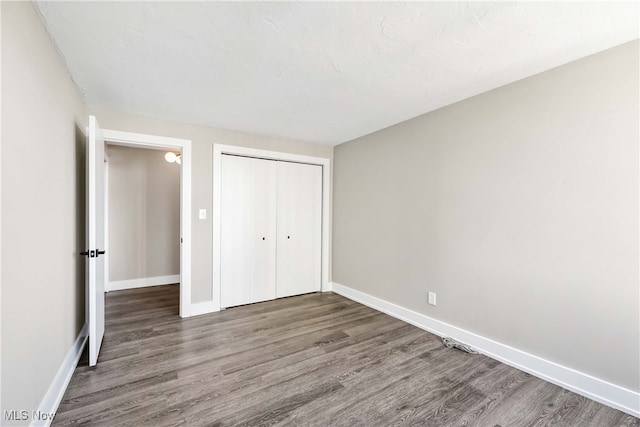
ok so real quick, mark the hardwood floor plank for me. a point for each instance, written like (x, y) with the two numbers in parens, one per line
(310, 360)
(389, 381)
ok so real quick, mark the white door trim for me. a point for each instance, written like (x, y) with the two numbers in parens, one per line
(106, 221)
(139, 140)
(218, 151)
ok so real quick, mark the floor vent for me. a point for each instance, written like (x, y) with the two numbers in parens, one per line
(451, 343)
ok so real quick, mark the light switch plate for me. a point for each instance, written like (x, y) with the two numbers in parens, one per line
(432, 298)
(202, 214)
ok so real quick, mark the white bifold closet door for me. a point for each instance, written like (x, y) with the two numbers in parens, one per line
(271, 228)
(248, 230)
(299, 229)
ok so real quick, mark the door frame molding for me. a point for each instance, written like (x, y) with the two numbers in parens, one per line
(139, 140)
(218, 151)
(106, 219)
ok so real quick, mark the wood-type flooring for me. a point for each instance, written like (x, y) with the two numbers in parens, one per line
(310, 360)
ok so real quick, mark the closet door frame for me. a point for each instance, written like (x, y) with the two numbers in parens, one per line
(218, 151)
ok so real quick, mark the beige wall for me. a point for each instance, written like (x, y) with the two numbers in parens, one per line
(518, 207)
(202, 138)
(43, 122)
(144, 214)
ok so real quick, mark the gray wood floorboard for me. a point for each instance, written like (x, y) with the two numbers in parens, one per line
(310, 360)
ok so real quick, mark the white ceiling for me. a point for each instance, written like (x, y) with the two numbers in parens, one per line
(323, 72)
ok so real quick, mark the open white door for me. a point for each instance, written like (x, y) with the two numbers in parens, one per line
(95, 238)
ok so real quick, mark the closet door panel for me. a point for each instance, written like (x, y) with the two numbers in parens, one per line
(248, 224)
(264, 221)
(299, 219)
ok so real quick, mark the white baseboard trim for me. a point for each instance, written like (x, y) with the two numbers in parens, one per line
(142, 283)
(53, 397)
(586, 385)
(199, 308)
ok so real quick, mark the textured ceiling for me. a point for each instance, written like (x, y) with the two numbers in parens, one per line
(323, 72)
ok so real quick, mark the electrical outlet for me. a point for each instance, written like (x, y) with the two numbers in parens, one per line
(432, 298)
(202, 214)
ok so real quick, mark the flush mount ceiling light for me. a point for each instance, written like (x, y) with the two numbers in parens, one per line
(172, 157)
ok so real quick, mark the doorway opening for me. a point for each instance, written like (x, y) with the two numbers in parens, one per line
(153, 257)
(142, 218)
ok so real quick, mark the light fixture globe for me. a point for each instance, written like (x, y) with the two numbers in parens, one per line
(170, 157)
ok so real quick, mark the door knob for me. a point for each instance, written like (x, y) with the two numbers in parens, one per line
(92, 253)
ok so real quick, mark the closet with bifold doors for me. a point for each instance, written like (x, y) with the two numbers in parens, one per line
(270, 229)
